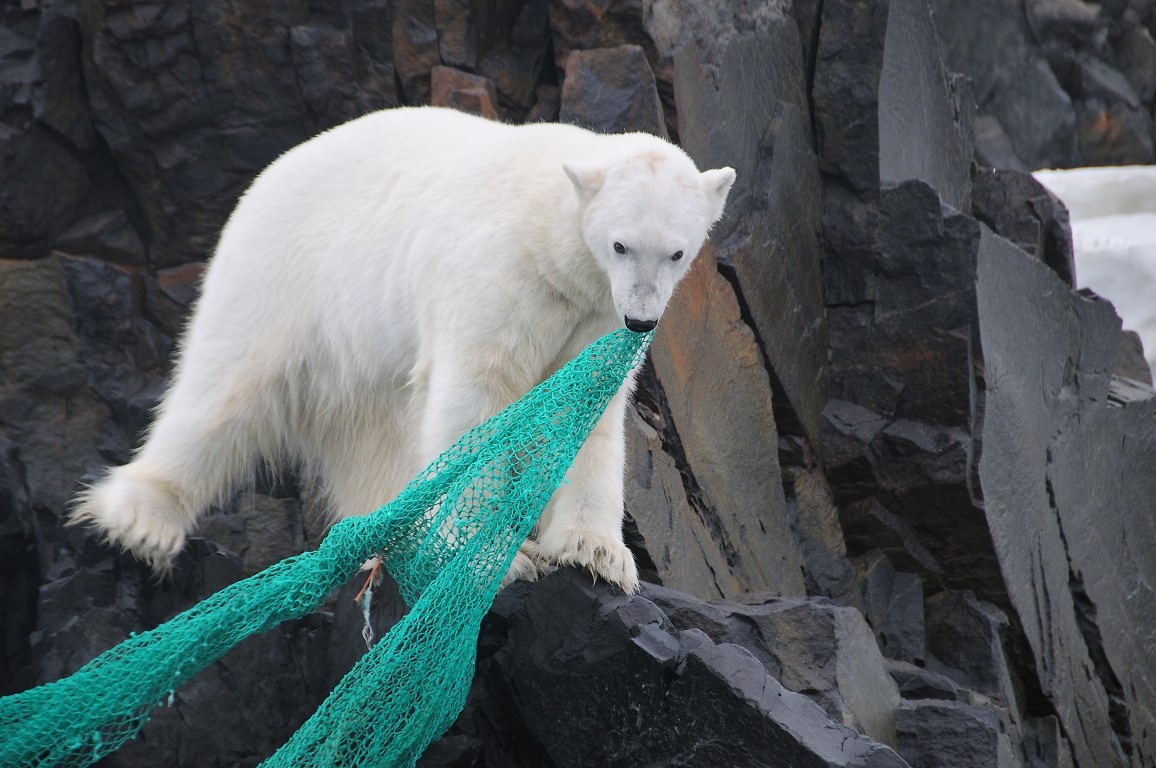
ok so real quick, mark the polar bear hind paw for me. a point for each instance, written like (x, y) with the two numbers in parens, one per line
(601, 555)
(135, 517)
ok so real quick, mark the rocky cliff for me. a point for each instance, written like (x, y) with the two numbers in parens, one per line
(893, 502)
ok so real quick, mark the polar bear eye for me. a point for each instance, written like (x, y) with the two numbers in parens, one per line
(676, 256)
(619, 248)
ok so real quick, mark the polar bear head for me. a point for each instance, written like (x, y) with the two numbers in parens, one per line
(646, 212)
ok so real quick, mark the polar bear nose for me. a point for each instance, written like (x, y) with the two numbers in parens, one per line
(640, 326)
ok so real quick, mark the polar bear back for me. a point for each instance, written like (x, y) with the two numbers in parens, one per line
(396, 205)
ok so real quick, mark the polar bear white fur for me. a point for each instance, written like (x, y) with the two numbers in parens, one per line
(389, 284)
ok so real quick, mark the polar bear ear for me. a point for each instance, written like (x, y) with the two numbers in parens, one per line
(586, 177)
(715, 185)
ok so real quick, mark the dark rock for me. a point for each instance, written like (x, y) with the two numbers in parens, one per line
(105, 296)
(1130, 362)
(1045, 744)
(611, 90)
(45, 185)
(910, 450)
(919, 683)
(324, 69)
(901, 633)
(261, 530)
(1114, 127)
(848, 431)
(239, 709)
(457, 31)
(1103, 553)
(46, 137)
(37, 346)
(965, 640)
(516, 61)
(107, 235)
(827, 571)
(850, 235)
(44, 406)
(463, 91)
(1113, 133)
(980, 436)
(1019, 208)
(702, 329)
(193, 122)
(462, 751)
(993, 148)
(547, 104)
(1124, 391)
(415, 47)
(823, 651)
(354, 631)
(869, 526)
(925, 116)
(685, 555)
(904, 354)
(593, 678)
(923, 305)
(590, 24)
(121, 351)
(368, 23)
(987, 41)
(1038, 480)
(894, 608)
(59, 101)
(1073, 22)
(846, 92)
(885, 107)
(19, 571)
(769, 240)
(1136, 58)
(170, 293)
(950, 734)
(911, 454)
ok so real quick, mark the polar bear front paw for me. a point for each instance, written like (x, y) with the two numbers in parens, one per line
(526, 566)
(601, 555)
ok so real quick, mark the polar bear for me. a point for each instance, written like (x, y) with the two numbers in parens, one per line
(393, 282)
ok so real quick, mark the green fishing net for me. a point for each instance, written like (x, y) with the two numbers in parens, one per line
(448, 540)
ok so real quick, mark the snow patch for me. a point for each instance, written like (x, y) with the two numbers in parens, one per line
(1113, 216)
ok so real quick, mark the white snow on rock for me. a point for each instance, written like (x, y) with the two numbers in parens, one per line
(1113, 213)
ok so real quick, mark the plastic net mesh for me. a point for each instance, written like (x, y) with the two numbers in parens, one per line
(448, 540)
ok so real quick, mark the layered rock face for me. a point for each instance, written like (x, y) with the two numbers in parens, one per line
(894, 505)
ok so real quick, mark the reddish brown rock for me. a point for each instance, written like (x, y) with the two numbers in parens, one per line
(464, 92)
(720, 401)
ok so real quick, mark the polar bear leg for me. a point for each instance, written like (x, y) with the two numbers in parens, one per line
(207, 434)
(456, 401)
(583, 524)
(366, 460)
